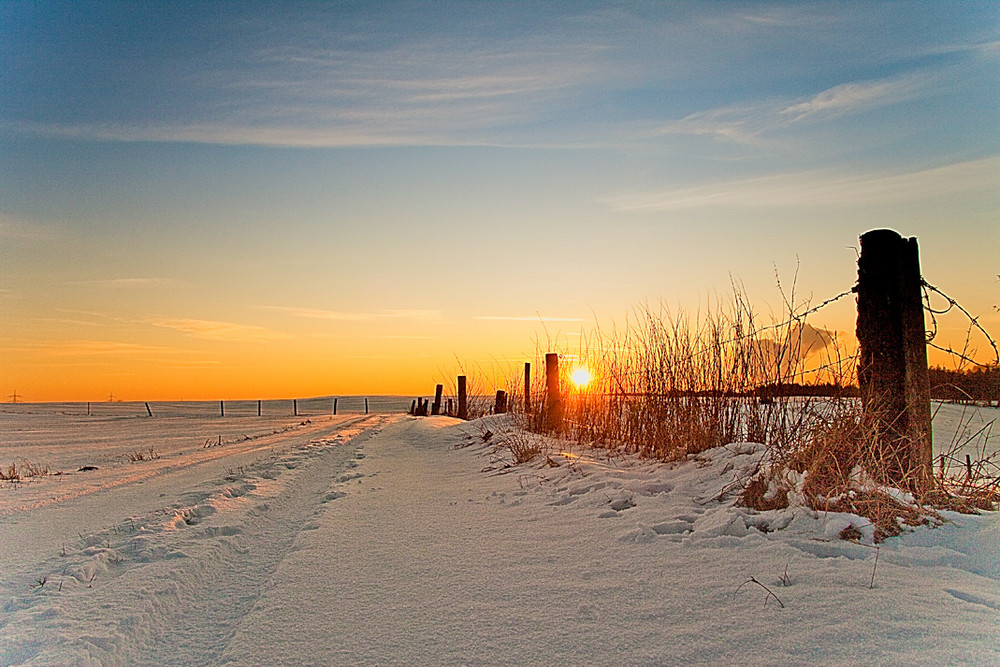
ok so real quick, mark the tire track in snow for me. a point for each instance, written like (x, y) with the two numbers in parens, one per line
(210, 610)
(174, 591)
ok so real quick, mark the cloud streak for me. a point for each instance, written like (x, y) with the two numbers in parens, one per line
(228, 332)
(416, 315)
(822, 188)
(127, 282)
(750, 123)
(526, 318)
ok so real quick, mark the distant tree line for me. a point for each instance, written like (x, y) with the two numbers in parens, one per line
(979, 385)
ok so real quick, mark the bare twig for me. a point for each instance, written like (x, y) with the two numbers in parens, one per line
(770, 593)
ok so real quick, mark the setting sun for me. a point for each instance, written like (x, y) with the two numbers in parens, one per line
(580, 377)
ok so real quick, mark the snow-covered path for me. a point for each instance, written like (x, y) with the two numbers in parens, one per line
(382, 541)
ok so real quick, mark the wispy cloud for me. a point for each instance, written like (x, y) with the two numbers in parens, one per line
(854, 97)
(437, 92)
(750, 123)
(229, 332)
(128, 282)
(823, 188)
(527, 318)
(343, 316)
(102, 348)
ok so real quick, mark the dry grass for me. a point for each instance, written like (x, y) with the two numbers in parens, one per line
(19, 472)
(139, 455)
(669, 385)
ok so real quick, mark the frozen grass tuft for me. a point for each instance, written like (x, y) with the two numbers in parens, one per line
(17, 473)
(139, 455)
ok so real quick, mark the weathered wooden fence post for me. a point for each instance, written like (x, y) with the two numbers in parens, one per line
(500, 403)
(335, 406)
(258, 408)
(463, 402)
(451, 407)
(366, 405)
(295, 407)
(892, 366)
(553, 400)
(527, 388)
(436, 408)
(148, 411)
(222, 408)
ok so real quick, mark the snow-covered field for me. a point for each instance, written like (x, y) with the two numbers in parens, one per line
(387, 539)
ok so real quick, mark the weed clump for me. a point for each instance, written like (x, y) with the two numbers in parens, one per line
(138, 455)
(15, 473)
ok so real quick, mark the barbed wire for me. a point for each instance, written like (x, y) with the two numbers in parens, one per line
(973, 325)
(798, 318)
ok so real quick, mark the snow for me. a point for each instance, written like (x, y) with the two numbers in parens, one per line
(388, 539)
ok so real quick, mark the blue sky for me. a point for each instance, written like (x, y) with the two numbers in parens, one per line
(231, 184)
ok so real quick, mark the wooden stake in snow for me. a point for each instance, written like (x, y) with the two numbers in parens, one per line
(553, 400)
(463, 402)
(527, 388)
(500, 404)
(892, 367)
(436, 408)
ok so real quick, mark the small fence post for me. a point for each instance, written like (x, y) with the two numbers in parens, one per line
(148, 411)
(500, 403)
(553, 401)
(463, 403)
(222, 408)
(258, 407)
(527, 388)
(436, 408)
(451, 407)
(366, 405)
(334, 406)
(892, 365)
(295, 407)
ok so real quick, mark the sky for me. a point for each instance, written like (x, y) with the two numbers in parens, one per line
(260, 200)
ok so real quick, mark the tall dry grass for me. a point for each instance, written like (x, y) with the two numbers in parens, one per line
(668, 383)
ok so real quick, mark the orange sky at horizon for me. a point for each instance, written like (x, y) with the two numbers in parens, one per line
(210, 201)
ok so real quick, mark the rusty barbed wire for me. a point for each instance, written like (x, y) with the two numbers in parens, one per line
(974, 325)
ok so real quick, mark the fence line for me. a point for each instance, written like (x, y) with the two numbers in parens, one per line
(228, 409)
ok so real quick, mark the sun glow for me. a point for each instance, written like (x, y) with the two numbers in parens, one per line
(580, 377)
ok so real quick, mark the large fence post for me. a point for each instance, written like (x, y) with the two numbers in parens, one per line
(553, 399)
(463, 402)
(892, 365)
